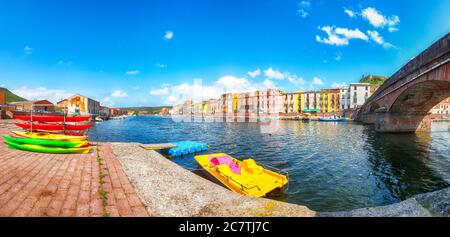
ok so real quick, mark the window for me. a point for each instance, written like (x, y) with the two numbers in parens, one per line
(354, 87)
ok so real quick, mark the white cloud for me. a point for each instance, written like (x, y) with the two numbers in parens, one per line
(168, 35)
(42, 93)
(350, 13)
(296, 80)
(255, 73)
(317, 81)
(268, 84)
(274, 74)
(107, 102)
(340, 36)
(375, 36)
(392, 29)
(62, 62)
(119, 93)
(160, 65)
(338, 56)
(338, 85)
(303, 8)
(28, 49)
(377, 19)
(226, 84)
(132, 72)
(164, 91)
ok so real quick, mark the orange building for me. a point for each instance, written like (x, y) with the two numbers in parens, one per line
(38, 105)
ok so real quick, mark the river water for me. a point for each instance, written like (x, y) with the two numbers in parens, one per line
(331, 166)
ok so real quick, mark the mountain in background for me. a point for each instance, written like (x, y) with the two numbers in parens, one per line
(11, 97)
(373, 80)
(150, 110)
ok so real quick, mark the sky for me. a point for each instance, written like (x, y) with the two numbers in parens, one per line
(148, 53)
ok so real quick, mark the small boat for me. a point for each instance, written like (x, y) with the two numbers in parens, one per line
(44, 142)
(244, 177)
(49, 136)
(54, 118)
(186, 147)
(53, 127)
(45, 149)
(333, 119)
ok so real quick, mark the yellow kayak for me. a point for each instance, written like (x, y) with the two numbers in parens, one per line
(50, 136)
(244, 177)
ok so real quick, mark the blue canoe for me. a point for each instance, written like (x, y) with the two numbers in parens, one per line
(333, 119)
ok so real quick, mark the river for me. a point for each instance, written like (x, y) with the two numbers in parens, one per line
(331, 166)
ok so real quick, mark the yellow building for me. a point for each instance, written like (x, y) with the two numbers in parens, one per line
(294, 102)
(329, 100)
(236, 106)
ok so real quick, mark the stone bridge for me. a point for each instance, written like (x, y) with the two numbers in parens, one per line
(403, 102)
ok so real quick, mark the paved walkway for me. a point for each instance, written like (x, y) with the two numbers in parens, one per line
(37, 184)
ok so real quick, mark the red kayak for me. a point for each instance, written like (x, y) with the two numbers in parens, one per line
(52, 127)
(54, 118)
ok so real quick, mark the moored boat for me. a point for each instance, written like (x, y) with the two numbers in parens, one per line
(45, 149)
(332, 119)
(53, 127)
(49, 136)
(244, 177)
(53, 118)
(47, 142)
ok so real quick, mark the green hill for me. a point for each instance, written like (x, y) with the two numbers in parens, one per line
(148, 110)
(11, 97)
(373, 80)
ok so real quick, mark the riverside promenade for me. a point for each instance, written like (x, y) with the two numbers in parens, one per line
(122, 180)
(81, 185)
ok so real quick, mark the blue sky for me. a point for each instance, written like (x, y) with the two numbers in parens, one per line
(136, 53)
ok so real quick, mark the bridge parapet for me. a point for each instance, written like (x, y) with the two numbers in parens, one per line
(432, 56)
(403, 102)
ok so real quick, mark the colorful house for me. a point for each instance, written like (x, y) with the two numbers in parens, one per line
(79, 104)
(329, 100)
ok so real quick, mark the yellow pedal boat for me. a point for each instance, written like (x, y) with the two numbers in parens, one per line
(244, 177)
(50, 136)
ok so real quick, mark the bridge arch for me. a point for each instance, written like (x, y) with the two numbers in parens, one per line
(403, 102)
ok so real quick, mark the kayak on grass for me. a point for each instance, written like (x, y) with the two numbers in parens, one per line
(53, 127)
(53, 118)
(45, 149)
(50, 136)
(44, 142)
(244, 177)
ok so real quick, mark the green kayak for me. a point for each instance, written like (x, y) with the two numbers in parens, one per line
(43, 142)
(45, 149)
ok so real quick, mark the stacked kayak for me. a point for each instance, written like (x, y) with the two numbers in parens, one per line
(52, 127)
(60, 144)
(54, 118)
(243, 177)
(49, 136)
(186, 147)
(42, 134)
(53, 122)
